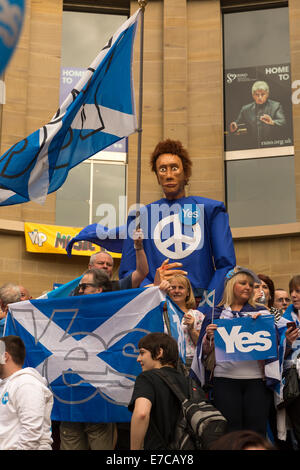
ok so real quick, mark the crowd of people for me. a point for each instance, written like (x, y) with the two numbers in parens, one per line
(238, 389)
(242, 390)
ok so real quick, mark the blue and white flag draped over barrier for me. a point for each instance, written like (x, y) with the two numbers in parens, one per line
(99, 111)
(86, 347)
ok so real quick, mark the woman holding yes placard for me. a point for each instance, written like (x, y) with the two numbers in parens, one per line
(239, 389)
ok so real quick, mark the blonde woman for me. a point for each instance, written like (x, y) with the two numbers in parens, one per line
(180, 291)
(239, 387)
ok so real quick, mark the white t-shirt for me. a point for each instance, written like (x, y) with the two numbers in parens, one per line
(239, 370)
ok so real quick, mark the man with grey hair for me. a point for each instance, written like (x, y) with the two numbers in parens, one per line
(103, 260)
(9, 294)
(260, 118)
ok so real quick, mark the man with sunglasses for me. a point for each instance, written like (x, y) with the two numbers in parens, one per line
(94, 281)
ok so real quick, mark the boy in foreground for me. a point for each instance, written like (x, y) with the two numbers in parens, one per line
(155, 408)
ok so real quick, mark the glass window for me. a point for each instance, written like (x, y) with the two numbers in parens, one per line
(102, 178)
(258, 118)
(257, 192)
(72, 199)
(84, 35)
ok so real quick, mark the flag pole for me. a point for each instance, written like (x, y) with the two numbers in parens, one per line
(142, 4)
(213, 312)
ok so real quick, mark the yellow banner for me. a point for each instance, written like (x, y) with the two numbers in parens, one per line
(42, 238)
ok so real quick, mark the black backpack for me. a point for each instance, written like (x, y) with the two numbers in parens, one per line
(199, 423)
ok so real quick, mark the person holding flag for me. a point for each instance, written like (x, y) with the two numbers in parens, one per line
(181, 293)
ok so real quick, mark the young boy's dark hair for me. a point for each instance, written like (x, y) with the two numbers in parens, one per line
(153, 342)
(14, 345)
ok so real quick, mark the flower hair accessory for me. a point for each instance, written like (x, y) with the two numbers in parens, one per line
(230, 274)
(238, 270)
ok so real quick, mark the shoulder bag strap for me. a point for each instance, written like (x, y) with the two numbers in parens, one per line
(172, 385)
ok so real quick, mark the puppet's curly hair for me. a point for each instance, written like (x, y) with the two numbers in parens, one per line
(173, 147)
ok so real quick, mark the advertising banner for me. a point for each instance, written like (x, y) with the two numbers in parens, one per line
(245, 339)
(258, 112)
(42, 238)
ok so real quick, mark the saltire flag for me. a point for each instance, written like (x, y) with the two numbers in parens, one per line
(98, 112)
(208, 300)
(110, 239)
(86, 347)
(175, 316)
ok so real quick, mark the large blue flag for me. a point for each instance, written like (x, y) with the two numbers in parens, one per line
(86, 347)
(110, 239)
(99, 111)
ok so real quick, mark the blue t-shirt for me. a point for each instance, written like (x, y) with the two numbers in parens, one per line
(122, 284)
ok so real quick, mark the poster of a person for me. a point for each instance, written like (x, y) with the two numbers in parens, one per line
(258, 111)
(261, 110)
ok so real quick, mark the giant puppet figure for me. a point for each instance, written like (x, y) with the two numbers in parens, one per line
(191, 230)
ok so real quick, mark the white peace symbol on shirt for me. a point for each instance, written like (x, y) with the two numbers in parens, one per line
(177, 239)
